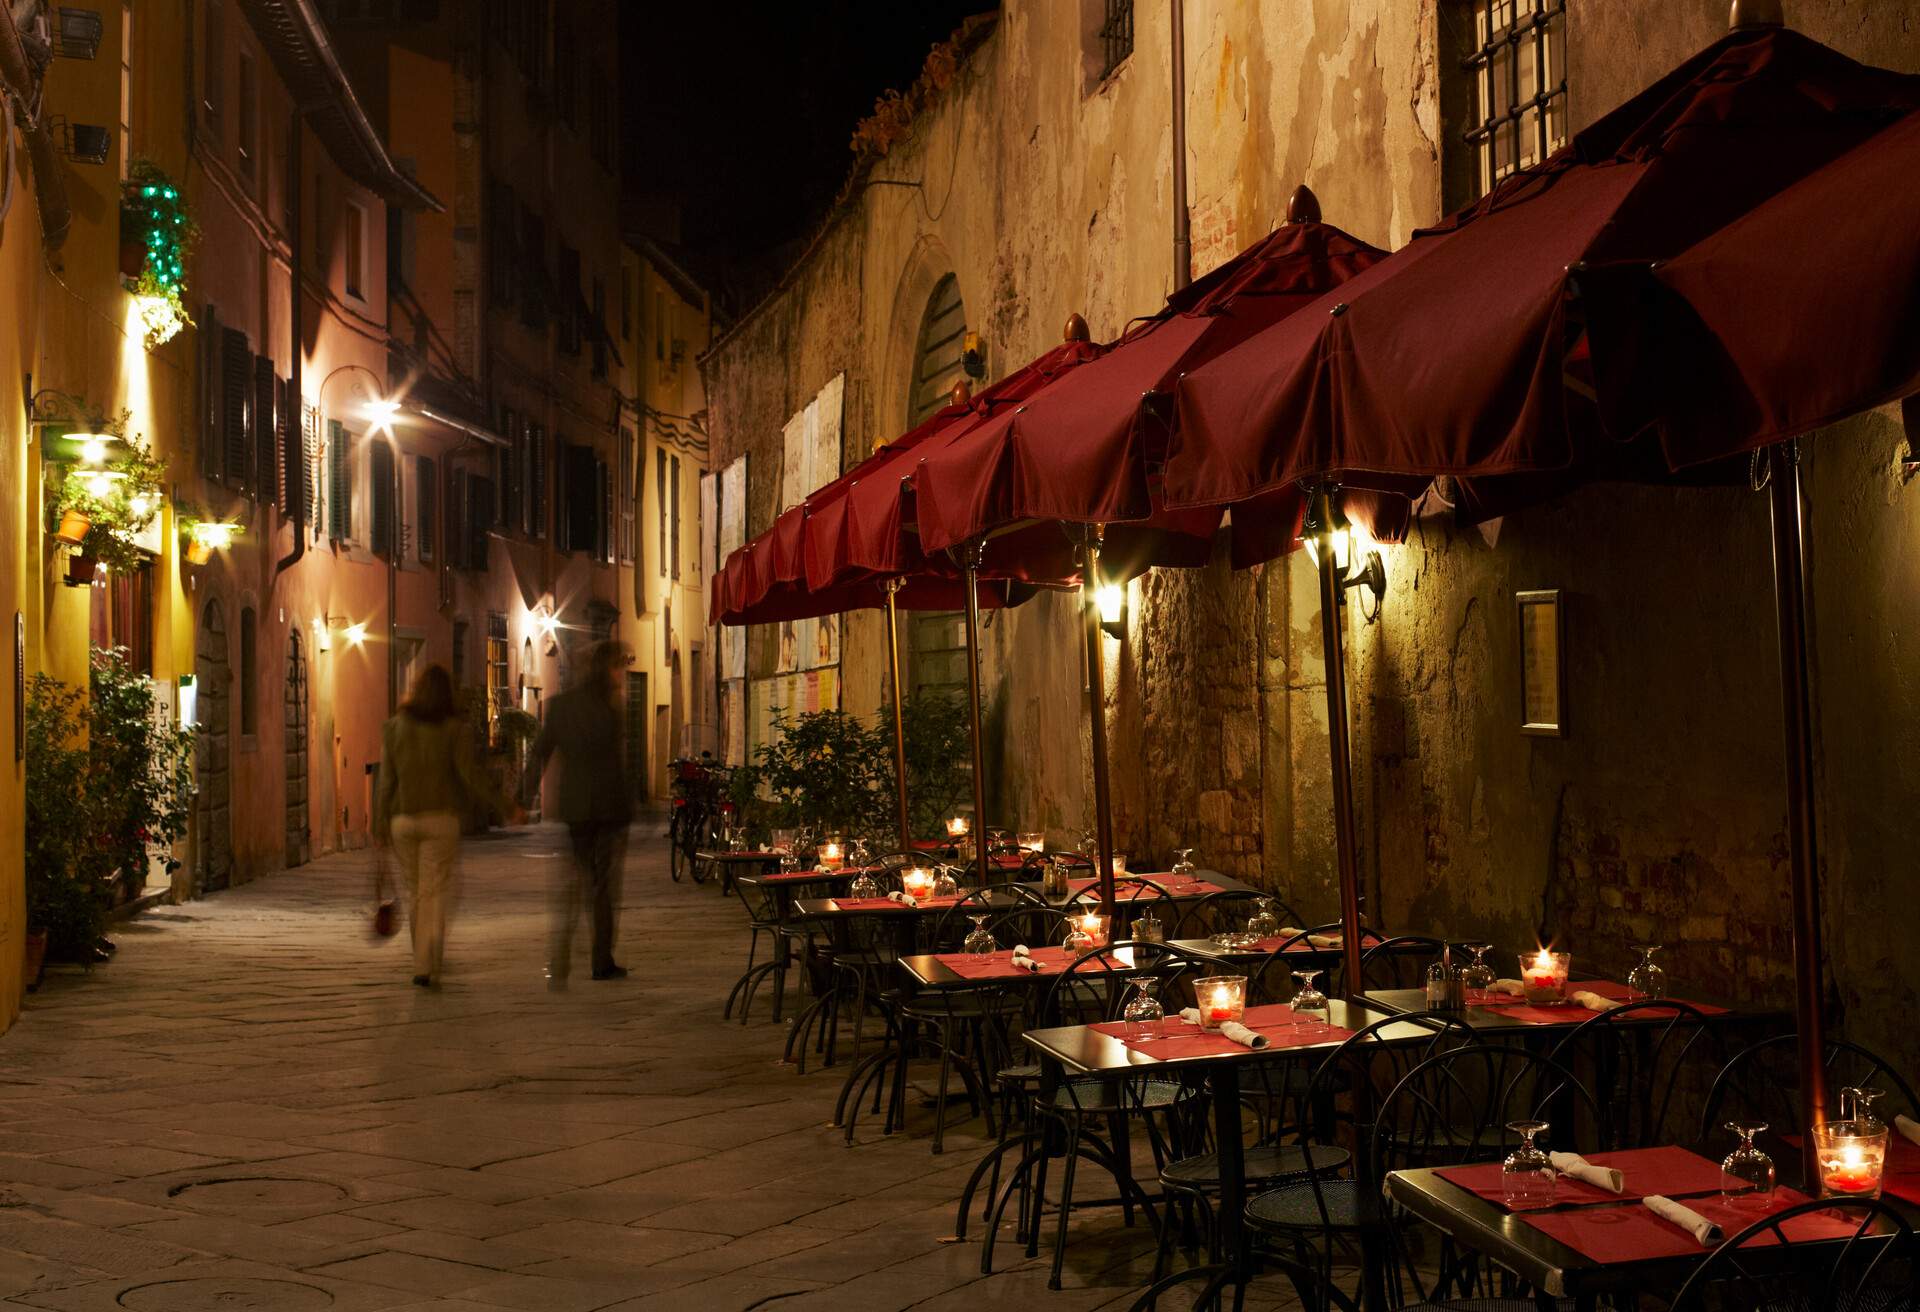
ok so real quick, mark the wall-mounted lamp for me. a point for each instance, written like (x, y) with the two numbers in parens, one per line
(1355, 557)
(1110, 599)
(380, 414)
(322, 635)
(355, 634)
(216, 535)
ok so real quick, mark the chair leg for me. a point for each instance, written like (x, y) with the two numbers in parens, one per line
(1066, 1208)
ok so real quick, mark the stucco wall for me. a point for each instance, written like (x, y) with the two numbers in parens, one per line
(1661, 814)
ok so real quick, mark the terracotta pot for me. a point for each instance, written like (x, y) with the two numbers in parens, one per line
(198, 552)
(81, 570)
(35, 963)
(73, 527)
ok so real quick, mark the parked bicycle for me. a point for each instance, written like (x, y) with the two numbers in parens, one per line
(702, 811)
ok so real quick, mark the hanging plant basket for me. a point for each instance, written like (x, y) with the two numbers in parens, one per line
(81, 570)
(156, 232)
(198, 553)
(74, 525)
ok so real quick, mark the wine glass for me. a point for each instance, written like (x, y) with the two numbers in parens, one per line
(1857, 1105)
(1477, 977)
(859, 853)
(1746, 1174)
(1309, 1003)
(1148, 928)
(865, 885)
(1143, 1014)
(1263, 923)
(1527, 1176)
(1183, 866)
(979, 944)
(944, 884)
(1089, 845)
(1647, 980)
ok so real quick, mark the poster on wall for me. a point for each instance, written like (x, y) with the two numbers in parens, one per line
(796, 694)
(709, 525)
(733, 524)
(810, 458)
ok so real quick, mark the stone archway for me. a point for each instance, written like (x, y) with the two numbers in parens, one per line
(213, 803)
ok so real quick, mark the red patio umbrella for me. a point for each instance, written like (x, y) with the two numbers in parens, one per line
(1467, 353)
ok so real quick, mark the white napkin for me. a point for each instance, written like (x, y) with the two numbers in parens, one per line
(1703, 1230)
(1234, 1031)
(904, 899)
(1579, 1168)
(1594, 1001)
(1313, 940)
(1023, 959)
(1510, 987)
(1191, 1015)
(1908, 1127)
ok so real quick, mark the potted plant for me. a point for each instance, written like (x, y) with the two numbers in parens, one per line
(116, 501)
(203, 536)
(64, 856)
(156, 232)
(139, 767)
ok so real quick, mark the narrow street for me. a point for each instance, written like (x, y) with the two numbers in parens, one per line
(250, 1107)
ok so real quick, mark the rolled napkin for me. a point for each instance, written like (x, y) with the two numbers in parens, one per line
(1313, 940)
(1703, 1230)
(1594, 1001)
(1908, 1127)
(1191, 1015)
(1024, 960)
(1576, 1167)
(1511, 987)
(1236, 1032)
(904, 899)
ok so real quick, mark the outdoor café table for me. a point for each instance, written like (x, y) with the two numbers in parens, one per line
(1511, 1017)
(1087, 1050)
(1639, 1253)
(731, 863)
(781, 888)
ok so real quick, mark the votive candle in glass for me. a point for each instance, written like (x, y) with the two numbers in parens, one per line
(831, 855)
(958, 827)
(1220, 998)
(1852, 1158)
(1094, 926)
(1119, 864)
(1032, 843)
(917, 881)
(1543, 976)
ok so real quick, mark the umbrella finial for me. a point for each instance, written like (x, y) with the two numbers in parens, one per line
(1755, 13)
(1304, 207)
(1076, 330)
(962, 394)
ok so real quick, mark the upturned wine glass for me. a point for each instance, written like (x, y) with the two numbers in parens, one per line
(1746, 1173)
(944, 884)
(1263, 923)
(1647, 980)
(1309, 1003)
(1183, 866)
(1143, 1013)
(979, 944)
(1527, 1177)
(1477, 977)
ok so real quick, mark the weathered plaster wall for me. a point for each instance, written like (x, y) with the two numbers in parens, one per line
(1661, 814)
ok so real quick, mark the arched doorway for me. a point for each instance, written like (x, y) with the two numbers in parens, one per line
(937, 642)
(212, 675)
(299, 842)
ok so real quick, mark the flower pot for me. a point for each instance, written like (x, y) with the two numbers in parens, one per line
(73, 527)
(133, 259)
(35, 962)
(198, 552)
(81, 570)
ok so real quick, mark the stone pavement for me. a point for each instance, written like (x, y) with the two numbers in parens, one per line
(251, 1107)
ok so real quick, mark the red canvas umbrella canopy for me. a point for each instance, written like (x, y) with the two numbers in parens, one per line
(1084, 449)
(1798, 314)
(1451, 356)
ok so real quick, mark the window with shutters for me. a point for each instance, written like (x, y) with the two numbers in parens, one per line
(212, 449)
(310, 478)
(673, 497)
(1509, 99)
(598, 327)
(236, 408)
(538, 505)
(287, 433)
(537, 280)
(480, 503)
(339, 482)
(382, 530)
(937, 360)
(664, 510)
(457, 519)
(624, 494)
(503, 244)
(459, 653)
(580, 498)
(212, 60)
(499, 688)
(249, 675)
(353, 223)
(266, 430)
(509, 463)
(424, 491)
(603, 513)
(246, 116)
(569, 309)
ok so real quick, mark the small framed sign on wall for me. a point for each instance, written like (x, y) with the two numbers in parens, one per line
(1543, 679)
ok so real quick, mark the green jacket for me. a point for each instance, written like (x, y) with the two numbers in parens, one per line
(429, 767)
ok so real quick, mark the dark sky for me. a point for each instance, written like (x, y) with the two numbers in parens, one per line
(742, 109)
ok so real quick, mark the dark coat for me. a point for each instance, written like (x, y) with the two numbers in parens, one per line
(585, 729)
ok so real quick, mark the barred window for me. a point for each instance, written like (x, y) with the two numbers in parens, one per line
(1518, 65)
(1116, 35)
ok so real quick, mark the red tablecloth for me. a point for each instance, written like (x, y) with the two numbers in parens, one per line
(1000, 964)
(1630, 1232)
(1571, 1013)
(1126, 889)
(888, 904)
(1674, 1172)
(1188, 1040)
(803, 876)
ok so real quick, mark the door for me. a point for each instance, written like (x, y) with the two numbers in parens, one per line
(299, 847)
(212, 673)
(638, 768)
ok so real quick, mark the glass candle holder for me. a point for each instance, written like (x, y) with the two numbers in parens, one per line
(958, 827)
(1543, 976)
(1852, 1158)
(1091, 929)
(1119, 864)
(831, 855)
(1032, 843)
(1220, 998)
(917, 881)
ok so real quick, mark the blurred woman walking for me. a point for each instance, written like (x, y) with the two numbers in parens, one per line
(429, 772)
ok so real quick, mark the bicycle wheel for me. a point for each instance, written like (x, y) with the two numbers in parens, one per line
(674, 856)
(700, 833)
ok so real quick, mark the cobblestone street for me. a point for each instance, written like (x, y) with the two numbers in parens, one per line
(251, 1107)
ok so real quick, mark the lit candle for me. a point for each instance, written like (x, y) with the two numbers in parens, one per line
(1033, 842)
(957, 827)
(1220, 1006)
(1119, 864)
(830, 857)
(1851, 1172)
(1541, 973)
(917, 881)
(1094, 926)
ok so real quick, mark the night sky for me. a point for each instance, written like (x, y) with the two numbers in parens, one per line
(743, 111)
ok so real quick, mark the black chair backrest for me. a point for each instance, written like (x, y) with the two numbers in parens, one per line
(1651, 1062)
(1762, 1082)
(1149, 892)
(1847, 1255)
(1454, 1108)
(1216, 913)
(1094, 987)
(1399, 962)
(1272, 978)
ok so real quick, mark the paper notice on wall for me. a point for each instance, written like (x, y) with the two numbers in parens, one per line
(733, 525)
(708, 525)
(810, 459)
(794, 694)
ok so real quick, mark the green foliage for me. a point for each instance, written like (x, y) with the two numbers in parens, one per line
(826, 770)
(122, 510)
(154, 216)
(106, 787)
(516, 726)
(939, 759)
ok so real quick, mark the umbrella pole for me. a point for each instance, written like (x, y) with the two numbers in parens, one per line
(899, 722)
(1097, 711)
(973, 553)
(1332, 588)
(1790, 598)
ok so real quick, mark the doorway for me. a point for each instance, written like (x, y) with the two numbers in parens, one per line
(212, 673)
(299, 844)
(638, 758)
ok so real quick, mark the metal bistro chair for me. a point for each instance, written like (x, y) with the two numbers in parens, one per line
(1762, 1081)
(1215, 913)
(1091, 990)
(1872, 1265)
(763, 917)
(1399, 962)
(1647, 1057)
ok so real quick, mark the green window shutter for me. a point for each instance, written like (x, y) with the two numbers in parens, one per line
(339, 483)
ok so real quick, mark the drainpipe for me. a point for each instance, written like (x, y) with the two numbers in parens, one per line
(1182, 224)
(49, 183)
(297, 469)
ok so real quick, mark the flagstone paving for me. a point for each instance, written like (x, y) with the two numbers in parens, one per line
(251, 1107)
